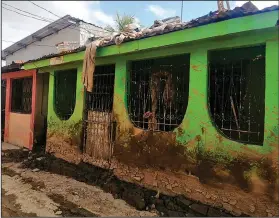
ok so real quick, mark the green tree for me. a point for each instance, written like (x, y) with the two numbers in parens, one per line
(121, 23)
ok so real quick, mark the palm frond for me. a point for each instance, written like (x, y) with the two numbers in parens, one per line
(122, 21)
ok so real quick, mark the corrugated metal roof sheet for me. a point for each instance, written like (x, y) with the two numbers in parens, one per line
(159, 27)
(48, 30)
(11, 68)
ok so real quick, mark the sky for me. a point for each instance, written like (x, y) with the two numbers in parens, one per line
(15, 27)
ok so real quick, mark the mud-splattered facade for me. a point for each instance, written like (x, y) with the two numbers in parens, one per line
(202, 158)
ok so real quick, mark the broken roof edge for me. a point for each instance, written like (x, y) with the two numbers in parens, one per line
(265, 20)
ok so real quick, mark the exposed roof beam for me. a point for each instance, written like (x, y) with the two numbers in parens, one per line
(7, 53)
(56, 30)
(37, 38)
(21, 44)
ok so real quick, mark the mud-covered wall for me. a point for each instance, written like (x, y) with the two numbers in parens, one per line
(194, 159)
(245, 174)
(64, 133)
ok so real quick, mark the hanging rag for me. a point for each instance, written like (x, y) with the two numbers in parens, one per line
(89, 65)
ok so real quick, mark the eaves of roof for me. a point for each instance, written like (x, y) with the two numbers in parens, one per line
(11, 68)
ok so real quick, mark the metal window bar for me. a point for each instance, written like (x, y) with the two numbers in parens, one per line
(236, 97)
(65, 93)
(158, 93)
(99, 126)
(21, 101)
(101, 98)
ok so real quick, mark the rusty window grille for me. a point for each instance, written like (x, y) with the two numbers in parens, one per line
(237, 93)
(158, 92)
(101, 98)
(99, 127)
(65, 93)
(21, 101)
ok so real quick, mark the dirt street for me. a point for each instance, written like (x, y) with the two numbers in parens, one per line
(27, 192)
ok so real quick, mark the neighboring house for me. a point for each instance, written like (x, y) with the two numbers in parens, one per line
(24, 100)
(185, 109)
(44, 41)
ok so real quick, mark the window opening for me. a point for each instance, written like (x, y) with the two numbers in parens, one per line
(158, 92)
(65, 93)
(21, 101)
(237, 93)
(101, 98)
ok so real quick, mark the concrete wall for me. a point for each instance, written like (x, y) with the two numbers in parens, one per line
(194, 160)
(32, 51)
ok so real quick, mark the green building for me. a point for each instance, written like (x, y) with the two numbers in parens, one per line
(192, 110)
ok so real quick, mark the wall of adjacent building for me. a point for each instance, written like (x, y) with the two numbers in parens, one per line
(34, 51)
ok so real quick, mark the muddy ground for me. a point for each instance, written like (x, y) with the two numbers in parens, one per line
(37, 184)
(32, 192)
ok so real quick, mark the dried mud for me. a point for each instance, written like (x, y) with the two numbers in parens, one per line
(135, 195)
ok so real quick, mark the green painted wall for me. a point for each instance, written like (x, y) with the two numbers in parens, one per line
(197, 115)
(240, 32)
(72, 126)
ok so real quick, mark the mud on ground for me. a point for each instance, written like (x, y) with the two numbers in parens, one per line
(28, 192)
(147, 201)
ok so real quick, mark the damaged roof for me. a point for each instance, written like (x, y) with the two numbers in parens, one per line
(174, 24)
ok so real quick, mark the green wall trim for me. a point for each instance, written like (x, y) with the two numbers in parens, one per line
(77, 114)
(223, 28)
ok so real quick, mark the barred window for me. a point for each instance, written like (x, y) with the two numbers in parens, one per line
(237, 93)
(101, 98)
(65, 93)
(158, 92)
(21, 101)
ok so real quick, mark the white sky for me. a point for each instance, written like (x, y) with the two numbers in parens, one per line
(14, 31)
